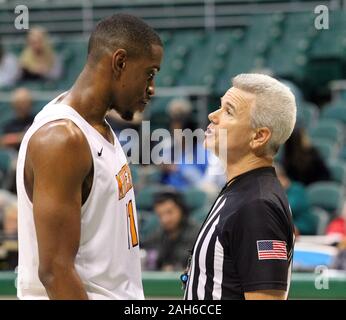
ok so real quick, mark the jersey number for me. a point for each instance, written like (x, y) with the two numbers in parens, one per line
(133, 231)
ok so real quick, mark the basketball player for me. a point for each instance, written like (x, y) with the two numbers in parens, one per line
(244, 248)
(78, 236)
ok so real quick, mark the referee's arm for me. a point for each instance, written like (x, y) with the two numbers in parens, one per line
(258, 243)
(266, 295)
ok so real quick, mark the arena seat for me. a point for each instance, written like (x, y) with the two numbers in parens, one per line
(337, 169)
(328, 129)
(322, 218)
(326, 195)
(326, 149)
(335, 112)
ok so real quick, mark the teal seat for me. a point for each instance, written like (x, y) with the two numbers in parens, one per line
(328, 129)
(200, 214)
(5, 160)
(145, 197)
(337, 169)
(148, 223)
(322, 218)
(307, 114)
(195, 198)
(326, 195)
(326, 149)
(335, 112)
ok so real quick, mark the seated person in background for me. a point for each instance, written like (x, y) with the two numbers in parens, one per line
(14, 129)
(9, 223)
(7, 199)
(302, 161)
(176, 235)
(9, 70)
(305, 223)
(38, 60)
(338, 225)
(340, 259)
(8, 239)
(187, 172)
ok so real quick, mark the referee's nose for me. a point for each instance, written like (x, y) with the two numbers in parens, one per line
(213, 117)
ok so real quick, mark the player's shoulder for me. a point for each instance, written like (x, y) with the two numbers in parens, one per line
(59, 141)
(62, 133)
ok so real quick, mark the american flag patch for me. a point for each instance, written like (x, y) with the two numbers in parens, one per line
(271, 249)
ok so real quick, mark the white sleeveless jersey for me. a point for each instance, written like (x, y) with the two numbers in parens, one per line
(108, 259)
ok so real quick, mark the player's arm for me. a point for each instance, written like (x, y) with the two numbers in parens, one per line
(60, 159)
(266, 295)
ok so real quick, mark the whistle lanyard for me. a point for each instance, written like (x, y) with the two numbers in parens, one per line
(185, 276)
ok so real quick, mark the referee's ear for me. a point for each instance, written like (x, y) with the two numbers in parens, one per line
(260, 138)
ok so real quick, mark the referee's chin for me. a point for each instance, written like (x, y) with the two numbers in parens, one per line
(209, 144)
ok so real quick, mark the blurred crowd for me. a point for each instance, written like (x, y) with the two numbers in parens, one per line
(166, 247)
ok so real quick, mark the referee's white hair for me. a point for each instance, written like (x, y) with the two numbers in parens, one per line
(275, 106)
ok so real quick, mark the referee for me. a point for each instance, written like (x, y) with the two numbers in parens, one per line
(244, 248)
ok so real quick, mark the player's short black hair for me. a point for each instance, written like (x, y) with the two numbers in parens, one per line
(122, 31)
(174, 196)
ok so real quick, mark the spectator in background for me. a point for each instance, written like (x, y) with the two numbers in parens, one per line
(305, 222)
(9, 224)
(302, 161)
(187, 172)
(338, 225)
(7, 199)
(8, 243)
(9, 69)
(340, 259)
(176, 235)
(38, 60)
(14, 129)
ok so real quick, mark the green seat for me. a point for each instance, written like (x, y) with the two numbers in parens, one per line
(337, 169)
(199, 215)
(5, 160)
(148, 223)
(322, 218)
(6, 114)
(342, 154)
(326, 149)
(145, 197)
(195, 198)
(211, 53)
(335, 112)
(307, 114)
(326, 195)
(328, 129)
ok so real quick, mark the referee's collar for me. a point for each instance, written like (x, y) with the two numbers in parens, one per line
(268, 170)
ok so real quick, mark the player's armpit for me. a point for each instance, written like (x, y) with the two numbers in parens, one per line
(266, 295)
(60, 159)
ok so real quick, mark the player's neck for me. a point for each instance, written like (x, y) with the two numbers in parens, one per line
(87, 98)
(248, 163)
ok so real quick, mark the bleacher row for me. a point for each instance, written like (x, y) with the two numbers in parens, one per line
(288, 44)
(199, 58)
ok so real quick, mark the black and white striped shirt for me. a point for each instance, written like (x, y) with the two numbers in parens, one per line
(246, 242)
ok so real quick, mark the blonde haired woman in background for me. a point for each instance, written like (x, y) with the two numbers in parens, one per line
(38, 60)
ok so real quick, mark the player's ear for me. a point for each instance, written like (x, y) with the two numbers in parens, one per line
(119, 62)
